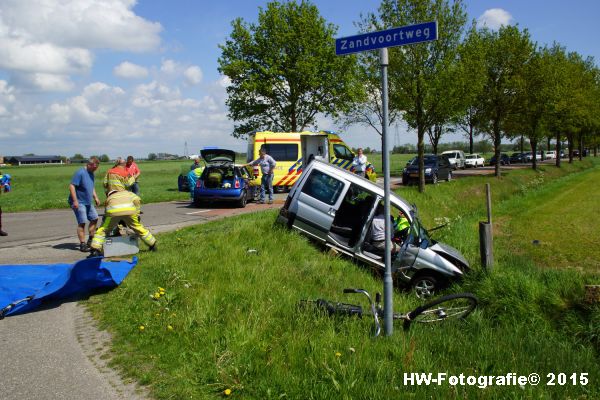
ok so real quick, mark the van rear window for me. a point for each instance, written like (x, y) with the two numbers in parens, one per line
(282, 151)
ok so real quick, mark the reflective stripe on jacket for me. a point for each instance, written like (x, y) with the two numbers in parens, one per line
(117, 179)
(122, 203)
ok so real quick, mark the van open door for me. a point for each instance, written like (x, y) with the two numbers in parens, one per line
(318, 202)
(314, 147)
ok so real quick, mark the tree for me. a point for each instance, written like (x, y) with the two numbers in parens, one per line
(419, 74)
(284, 70)
(471, 77)
(506, 53)
(77, 157)
(152, 156)
(104, 158)
(533, 97)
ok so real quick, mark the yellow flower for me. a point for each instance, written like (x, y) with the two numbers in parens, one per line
(338, 354)
(169, 327)
(142, 327)
(227, 392)
(157, 295)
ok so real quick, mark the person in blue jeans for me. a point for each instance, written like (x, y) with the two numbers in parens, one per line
(267, 166)
(82, 196)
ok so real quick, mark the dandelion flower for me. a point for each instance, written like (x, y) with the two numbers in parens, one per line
(169, 327)
(142, 327)
(338, 354)
(227, 392)
(157, 295)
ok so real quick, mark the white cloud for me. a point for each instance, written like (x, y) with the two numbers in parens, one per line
(92, 24)
(57, 37)
(43, 82)
(193, 75)
(127, 70)
(494, 18)
(169, 67)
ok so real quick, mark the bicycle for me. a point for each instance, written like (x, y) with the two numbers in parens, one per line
(452, 306)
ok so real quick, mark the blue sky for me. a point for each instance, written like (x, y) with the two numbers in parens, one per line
(124, 77)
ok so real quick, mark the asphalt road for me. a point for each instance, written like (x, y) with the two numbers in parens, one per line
(57, 352)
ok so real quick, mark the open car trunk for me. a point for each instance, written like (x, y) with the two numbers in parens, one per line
(219, 177)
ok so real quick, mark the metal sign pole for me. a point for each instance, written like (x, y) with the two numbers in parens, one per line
(388, 283)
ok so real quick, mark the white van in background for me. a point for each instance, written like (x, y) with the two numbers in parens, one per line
(456, 158)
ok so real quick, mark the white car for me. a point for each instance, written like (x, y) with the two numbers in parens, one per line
(474, 160)
(550, 155)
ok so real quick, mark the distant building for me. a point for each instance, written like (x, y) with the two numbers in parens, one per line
(32, 160)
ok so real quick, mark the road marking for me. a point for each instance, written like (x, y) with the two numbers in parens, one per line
(197, 212)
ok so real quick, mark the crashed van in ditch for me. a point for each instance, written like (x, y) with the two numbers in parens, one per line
(336, 207)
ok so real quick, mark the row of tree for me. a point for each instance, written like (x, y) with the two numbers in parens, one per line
(284, 73)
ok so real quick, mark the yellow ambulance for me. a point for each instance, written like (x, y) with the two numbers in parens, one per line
(294, 150)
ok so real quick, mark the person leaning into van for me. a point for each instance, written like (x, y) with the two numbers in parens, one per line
(359, 164)
(267, 166)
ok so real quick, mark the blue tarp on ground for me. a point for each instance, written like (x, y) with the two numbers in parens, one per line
(37, 283)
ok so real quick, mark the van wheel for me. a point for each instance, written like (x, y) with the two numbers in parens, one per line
(243, 200)
(426, 285)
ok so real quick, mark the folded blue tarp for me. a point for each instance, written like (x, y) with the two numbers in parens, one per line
(24, 287)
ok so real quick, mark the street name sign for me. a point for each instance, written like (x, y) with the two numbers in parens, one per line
(424, 32)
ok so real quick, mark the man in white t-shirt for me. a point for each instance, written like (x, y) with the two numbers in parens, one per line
(359, 163)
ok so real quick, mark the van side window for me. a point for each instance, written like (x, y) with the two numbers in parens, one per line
(282, 151)
(342, 151)
(323, 187)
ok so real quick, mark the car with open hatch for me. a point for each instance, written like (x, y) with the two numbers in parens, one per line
(474, 161)
(337, 208)
(436, 167)
(223, 180)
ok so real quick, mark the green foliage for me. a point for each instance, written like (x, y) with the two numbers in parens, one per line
(422, 75)
(284, 70)
(507, 52)
(234, 321)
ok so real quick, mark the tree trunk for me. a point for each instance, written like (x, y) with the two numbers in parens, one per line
(570, 147)
(420, 153)
(497, 141)
(558, 149)
(580, 146)
(522, 144)
(534, 151)
(470, 139)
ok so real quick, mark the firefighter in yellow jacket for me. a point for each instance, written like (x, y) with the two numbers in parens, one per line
(117, 178)
(121, 206)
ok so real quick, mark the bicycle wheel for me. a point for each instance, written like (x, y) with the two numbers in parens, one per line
(451, 306)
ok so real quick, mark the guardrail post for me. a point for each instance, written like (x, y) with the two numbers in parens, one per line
(486, 243)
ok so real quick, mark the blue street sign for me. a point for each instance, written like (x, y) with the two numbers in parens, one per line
(418, 33)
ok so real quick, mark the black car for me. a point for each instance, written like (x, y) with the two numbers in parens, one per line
(436, 167)
(504, 159)
(517, 158)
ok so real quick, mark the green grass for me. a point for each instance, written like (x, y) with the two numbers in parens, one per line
(236, 324)
(46, 187)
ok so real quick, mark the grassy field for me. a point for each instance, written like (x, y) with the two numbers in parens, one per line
(228, 319)
(45, 187)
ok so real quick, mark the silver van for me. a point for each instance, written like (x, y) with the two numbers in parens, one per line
(337, 208)
(456, 158)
